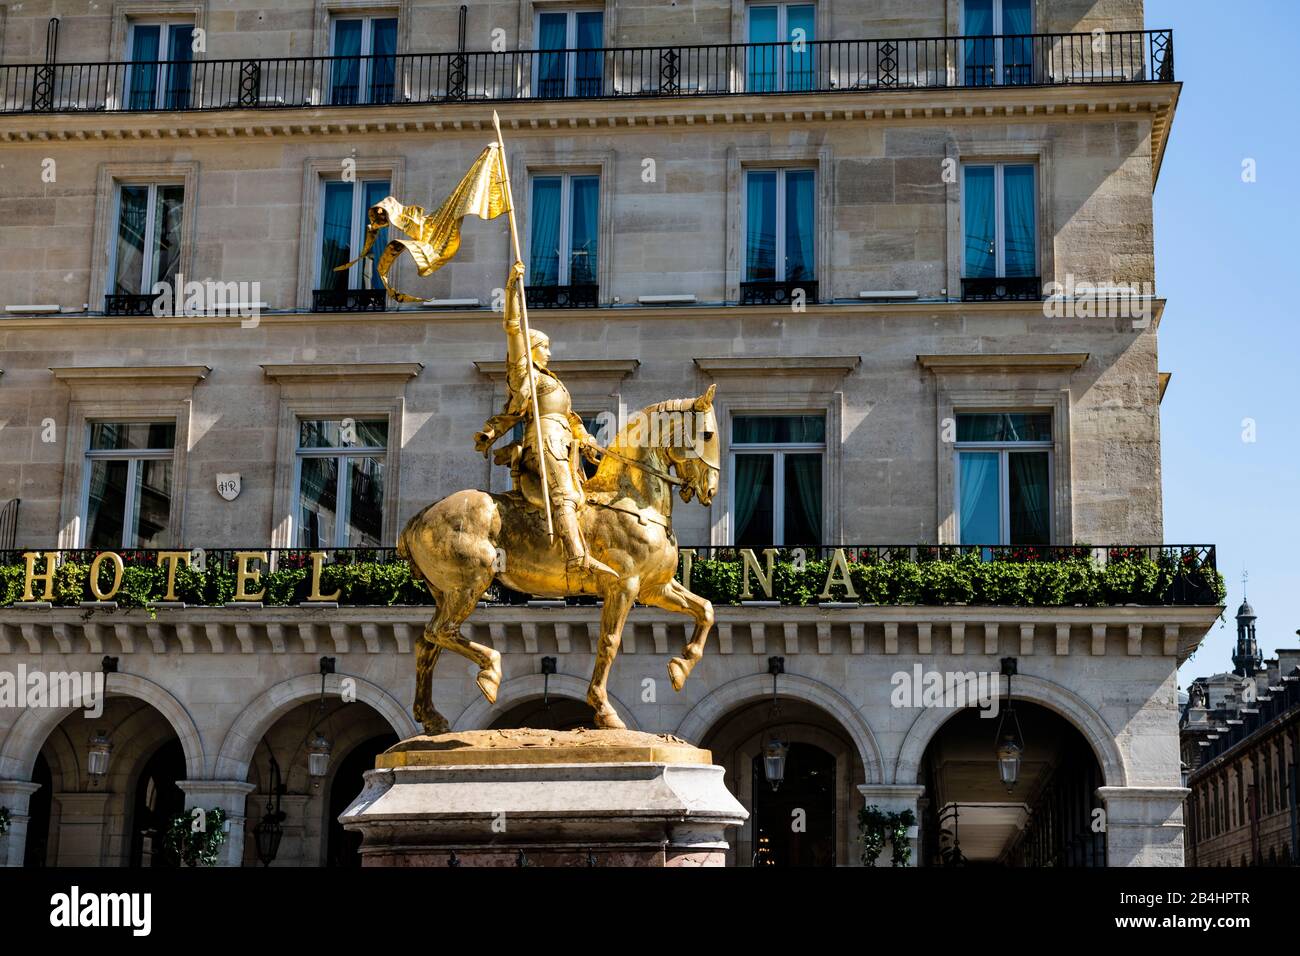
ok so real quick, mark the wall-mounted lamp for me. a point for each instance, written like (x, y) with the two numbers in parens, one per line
(775, 750)
(101, 749)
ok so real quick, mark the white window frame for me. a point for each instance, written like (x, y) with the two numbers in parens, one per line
(342, 495)
(570, 43)
(782, 30)
(367, 50)
(1000, 217)
(164, 47)
(563, 274)
(133, 457)
(778, 451)
(998, 20)
(1004, 450)
(780, 220)
(150, 224)
(356, 234)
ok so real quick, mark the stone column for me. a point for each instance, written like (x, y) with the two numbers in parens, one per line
(230, 796)
(895, 798)
(83, 822)
(15, 796)
(1144, 825)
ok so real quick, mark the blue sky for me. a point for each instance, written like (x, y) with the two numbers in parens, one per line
(1227, 259)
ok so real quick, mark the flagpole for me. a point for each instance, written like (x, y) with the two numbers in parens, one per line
(523, 315)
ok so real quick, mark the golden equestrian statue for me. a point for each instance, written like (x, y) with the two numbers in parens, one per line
(556, 533)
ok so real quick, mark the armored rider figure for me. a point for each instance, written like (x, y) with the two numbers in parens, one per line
(564, 438)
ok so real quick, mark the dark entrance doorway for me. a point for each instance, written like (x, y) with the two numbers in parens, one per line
(157, 801)
(38, 815)
(343, 848)
(794, 825)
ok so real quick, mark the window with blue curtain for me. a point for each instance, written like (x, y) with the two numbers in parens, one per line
(146, 44)
(780, 225)
(345, 79)
(564, 246)
(997, 48)
(781, 55)
(1000, 221)
(1004, 478)
(180, 45)
(544, 258)
(570, 61)
(383, 62)
(344, 212)
(776, 472)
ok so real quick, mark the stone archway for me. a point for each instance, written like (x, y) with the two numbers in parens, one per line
(1054, 697)
(520, 690)
(28, 735)
(758, 687)
(241, 741)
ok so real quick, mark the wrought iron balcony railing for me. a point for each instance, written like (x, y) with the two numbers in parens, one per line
(1002, 289)
(582, 296)
(823, 66)
(130, 304)
(1152, 575)
(777, 293)
(347, 300)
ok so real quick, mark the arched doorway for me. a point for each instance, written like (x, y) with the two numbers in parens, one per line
(342, 846)
(794, 822)
(38, 815)
(157, 800)
(551, 713)
(1049, 817)
(808, 819)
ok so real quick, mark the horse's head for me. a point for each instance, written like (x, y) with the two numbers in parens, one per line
(696, 453)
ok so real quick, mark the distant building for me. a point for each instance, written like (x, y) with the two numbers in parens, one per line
(1241, 744)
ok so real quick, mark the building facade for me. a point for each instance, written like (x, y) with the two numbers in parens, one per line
(919, 271)
(1241, 746)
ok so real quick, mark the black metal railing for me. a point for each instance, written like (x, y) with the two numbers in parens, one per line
(347, 300)
(777, 293)
(1189, 572)
(584, 296)
(130, 304)
(1002, 289)
(823, 66)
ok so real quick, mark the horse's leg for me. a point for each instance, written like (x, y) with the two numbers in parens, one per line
(444, 631)
(674, 597)
(618, 602)
(426, 656)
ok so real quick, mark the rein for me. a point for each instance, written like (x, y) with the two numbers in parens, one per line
(671, 479)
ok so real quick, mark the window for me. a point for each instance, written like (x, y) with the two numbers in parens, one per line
(564, 229)
(998, 48)
(999, 212)
(570, 61)
(341, 482)
(126, 501)
(1004, 478)
(364, 64)
(147, 230)
(343, 228)
(784, 60)
(780, 215)
(159, 74)
(776, 468)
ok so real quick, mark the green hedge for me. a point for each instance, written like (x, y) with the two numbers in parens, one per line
(965, 580)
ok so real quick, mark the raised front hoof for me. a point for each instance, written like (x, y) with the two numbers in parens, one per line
(489, 679)
(678, 670)
(608, 719)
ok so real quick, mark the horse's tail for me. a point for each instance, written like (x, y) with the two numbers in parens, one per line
(404, 552)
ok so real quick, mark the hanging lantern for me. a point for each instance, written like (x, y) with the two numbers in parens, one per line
(774, 754)
(318, 756)
(101, 748)
(1009, 753)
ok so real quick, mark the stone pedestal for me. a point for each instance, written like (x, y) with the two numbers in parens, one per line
(544, 798)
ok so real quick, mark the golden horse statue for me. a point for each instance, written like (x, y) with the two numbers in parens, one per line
(455, 546)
